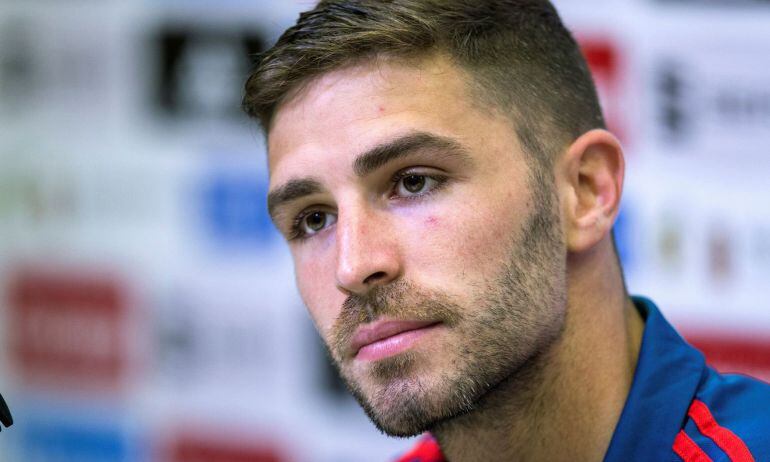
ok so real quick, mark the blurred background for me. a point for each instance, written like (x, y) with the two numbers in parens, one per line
(147, 306)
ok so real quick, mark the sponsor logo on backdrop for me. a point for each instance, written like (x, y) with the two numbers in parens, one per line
(732, 352)
(63, 71)
(707, 101)
(200, 70)
(673, 106)
(234, 209)
(19, 75)
(214, 338)
(67, 328)
(33, 197)
(721, 264)
(670, 243)
(42, 196)
(199, 448)
(53, 440)
(604, 61)
(622, 232)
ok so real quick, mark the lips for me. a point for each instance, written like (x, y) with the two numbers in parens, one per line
(386, 338)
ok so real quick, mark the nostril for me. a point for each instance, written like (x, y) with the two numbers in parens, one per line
(374, 277)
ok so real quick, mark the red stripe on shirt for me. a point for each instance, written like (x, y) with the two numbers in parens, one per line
(687, 450)
(728, 441)
(426, 450)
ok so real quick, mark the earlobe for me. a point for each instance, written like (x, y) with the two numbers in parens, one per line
(592, 177)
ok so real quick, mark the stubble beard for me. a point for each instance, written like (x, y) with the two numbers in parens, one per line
(521, 317)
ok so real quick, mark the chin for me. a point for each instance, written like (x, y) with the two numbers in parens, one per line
(402, 399)
(411, 393)
(405, 408)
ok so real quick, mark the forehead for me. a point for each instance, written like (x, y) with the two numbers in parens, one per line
(348, 110)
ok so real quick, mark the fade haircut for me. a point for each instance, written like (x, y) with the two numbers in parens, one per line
(519, 59)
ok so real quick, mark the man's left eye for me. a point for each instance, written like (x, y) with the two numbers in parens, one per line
(410, 185)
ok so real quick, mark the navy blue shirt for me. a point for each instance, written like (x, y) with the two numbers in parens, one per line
(678, 409)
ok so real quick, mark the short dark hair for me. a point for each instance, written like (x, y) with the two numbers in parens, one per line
(520, 58)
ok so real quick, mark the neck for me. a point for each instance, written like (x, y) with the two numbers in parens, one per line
(566, 403)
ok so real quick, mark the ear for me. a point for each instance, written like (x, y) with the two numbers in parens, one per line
(590, 180)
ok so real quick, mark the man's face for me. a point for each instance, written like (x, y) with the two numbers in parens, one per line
(430, 259)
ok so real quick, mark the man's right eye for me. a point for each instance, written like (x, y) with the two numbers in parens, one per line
(307, 224)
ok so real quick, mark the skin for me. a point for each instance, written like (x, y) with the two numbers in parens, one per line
(567, 380)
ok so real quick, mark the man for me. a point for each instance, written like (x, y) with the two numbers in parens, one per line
(442, 174)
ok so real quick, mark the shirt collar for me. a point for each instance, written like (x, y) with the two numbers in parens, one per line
(667, 375)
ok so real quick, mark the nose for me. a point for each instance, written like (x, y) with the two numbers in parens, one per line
(367, 254)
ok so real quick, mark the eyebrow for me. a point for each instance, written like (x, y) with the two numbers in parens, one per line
(370, 161)
(406, 145)
(293, 189)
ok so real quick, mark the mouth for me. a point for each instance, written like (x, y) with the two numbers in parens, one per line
(387, 338)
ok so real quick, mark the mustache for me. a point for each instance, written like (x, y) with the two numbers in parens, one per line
(397, 300)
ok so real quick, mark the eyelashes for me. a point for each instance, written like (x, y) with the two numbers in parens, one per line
(406, 185)
(320, 220)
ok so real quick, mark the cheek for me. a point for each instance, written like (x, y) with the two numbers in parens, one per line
(318, 291)
(468, 241)
(431, 221)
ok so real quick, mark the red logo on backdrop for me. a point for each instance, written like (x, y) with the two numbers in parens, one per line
(67, 327)
(189, 448)
(604, 62)
(729, 352)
